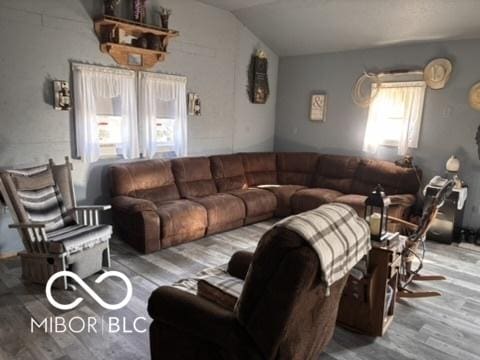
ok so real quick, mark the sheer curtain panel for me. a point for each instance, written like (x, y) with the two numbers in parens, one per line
(170, 90)
(92, 82)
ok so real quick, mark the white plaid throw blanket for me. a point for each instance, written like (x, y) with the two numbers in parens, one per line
(337, 234)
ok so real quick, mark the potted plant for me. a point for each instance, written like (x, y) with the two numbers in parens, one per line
(164, 15)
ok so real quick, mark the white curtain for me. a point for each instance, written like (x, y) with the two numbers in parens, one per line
(92, 82)
(402, 101)
(171, 89)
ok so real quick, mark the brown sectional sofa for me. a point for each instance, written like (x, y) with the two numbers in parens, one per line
(161, 203)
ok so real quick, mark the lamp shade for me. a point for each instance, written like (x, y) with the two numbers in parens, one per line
(453, 164)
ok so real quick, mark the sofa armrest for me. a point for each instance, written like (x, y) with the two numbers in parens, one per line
(192, 314)
(137, 222)
(131, 205)
(239, 264)
(405, 200)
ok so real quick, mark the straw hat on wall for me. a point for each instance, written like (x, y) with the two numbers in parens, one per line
(474, 96)
(437, 73)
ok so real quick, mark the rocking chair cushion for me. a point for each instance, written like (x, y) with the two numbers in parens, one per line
(33, 178)
(45, 205)
(77, 237)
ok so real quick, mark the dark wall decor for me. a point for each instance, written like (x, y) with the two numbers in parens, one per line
(258, 89)
(477, 138)
(109, 7)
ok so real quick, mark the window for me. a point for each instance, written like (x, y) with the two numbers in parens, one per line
(109, 123)
(165, 126)
(105, 112)
(164, 133)
(395, 116)
(163, 115)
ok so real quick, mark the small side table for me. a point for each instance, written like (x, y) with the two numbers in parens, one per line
(368, 305)
(447, 224)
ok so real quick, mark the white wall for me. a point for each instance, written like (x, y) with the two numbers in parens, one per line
(40, 38)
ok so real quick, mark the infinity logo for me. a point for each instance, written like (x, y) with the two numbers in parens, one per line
(89, 290)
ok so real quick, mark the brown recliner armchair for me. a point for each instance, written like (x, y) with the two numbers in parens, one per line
(282, 313)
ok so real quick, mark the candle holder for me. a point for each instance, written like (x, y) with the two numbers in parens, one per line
(376, 213)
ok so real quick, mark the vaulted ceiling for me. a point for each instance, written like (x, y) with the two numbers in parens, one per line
(299, 27)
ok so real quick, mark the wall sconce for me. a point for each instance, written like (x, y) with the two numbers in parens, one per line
(194, 105)
(61, 93)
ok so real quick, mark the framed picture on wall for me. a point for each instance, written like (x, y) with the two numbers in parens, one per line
(318, 107)
(135, 59)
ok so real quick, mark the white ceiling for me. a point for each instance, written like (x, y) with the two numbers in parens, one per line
(299, 27)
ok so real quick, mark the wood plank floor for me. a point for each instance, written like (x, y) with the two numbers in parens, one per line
(443, 328)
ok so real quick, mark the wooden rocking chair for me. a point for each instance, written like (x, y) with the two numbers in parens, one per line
(57, 234)
(415, 246)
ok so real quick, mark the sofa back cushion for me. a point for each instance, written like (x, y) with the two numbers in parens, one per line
(394, 179)
(296, 168)
(260, 168)
(228, 172)
(151, 179)
(193, 176)
(335, 172)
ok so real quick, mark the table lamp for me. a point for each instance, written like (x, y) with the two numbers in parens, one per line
(453, 167)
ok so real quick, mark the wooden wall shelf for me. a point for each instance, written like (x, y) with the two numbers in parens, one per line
(108, 31)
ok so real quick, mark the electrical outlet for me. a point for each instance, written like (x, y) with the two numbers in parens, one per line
(447, 111)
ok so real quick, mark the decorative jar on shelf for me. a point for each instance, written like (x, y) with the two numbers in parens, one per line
(154, 42)
(139, 11)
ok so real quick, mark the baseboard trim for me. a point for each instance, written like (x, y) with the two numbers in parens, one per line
(8, 255)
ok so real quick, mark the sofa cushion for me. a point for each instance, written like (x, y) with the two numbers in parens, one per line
(224, 290)
(151, 180)
(193, 176)
(222, 209)
(296, 168)
(283, 193)
(257, 202)
(356, 201)
(394, 179)
(228, 172)
(308, 199)
(181, 217)
(335, 172)
(260, 168)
